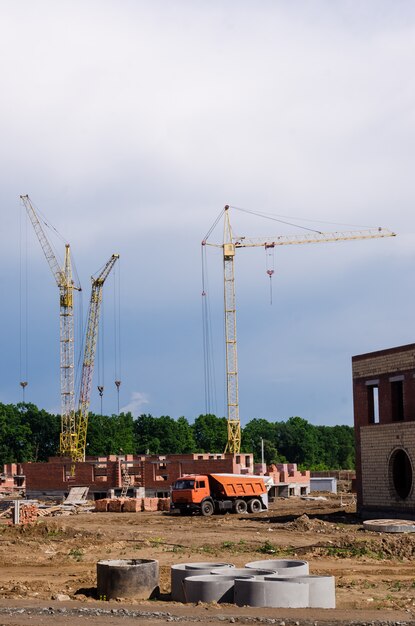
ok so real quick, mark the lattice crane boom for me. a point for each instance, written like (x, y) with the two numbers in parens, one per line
(63, 278)
(229, 246)
(78, 451)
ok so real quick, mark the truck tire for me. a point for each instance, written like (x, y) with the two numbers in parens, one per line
(207, 508)
(254, 505)
(240, 507)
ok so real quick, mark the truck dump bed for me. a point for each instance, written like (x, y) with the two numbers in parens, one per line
(232, 485)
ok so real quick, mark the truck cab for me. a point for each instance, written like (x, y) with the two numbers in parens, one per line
(188, 492)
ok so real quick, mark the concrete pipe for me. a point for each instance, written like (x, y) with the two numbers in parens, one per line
(210, 588)
(322, 590)
(128, 578)
(183, 570)
(237, 572)
(285, 593)
(283, 567)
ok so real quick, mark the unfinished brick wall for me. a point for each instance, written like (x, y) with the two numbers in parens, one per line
(384, 419)
(161, 471)
(153, 473)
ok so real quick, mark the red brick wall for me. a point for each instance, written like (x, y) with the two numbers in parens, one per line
(100, 474)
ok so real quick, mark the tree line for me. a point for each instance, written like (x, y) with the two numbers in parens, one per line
(28, 433)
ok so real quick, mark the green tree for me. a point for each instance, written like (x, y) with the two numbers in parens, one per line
(210, 433)
(44, 428)
(110, 434)
(257, 431)
(185, 436)
(298, 441)
(346, 446)
(146, 440)
(15, 436)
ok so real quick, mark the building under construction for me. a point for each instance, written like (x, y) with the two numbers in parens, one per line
(144, 475)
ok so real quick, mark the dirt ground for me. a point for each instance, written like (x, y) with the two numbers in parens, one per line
(375, 573)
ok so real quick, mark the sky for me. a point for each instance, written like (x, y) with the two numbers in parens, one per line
(131, 124)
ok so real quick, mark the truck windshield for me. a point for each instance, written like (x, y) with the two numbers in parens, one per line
(184, 484)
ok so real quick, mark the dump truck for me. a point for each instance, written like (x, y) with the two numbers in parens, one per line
(218, 493)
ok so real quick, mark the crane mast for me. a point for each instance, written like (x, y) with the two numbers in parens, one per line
(78, 449)
(65, 283)
(229, 246)
(234, 425)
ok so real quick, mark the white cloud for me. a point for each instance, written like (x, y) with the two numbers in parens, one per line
(130, 126)
(137, 402)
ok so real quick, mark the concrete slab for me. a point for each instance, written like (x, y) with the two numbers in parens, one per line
(390, 525)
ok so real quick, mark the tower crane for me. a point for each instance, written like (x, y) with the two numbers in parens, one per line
(229, 246)
(63, 278)
(77, 452)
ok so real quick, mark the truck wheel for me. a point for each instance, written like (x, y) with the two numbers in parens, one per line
(240, 506)
(207, 508)
(255, 505)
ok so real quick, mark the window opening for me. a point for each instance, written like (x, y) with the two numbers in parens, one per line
(397, 400)
(373, 404)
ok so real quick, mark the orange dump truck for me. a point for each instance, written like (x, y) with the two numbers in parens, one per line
(218, 493)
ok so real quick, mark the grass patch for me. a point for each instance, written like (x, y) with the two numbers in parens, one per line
(76, 553)
(270, 548)
(352, 550)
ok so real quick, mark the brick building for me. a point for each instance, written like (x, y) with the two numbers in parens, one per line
(384, 419)
(152, 475)
(149, 475)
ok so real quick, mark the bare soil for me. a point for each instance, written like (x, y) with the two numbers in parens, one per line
(375, 572)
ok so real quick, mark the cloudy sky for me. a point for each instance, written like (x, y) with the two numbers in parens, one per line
(131, 124)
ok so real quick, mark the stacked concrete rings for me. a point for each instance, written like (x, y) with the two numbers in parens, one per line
(184, 570)
(283, 567)
(321, 589)
(211, 588)
(278, 593)
(242, 572)
(277, 583)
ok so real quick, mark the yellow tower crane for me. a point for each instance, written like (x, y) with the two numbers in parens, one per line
(63, 278)
(229, 246)
(78, 450)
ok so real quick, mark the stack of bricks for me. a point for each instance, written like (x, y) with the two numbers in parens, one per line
(28, 514)
(101, 506)
(131, 505)
(164, 504)
(116, 505)
(150, 504)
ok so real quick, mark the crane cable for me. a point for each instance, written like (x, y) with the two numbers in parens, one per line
(117, 333)
(208, 358)
(281, 219)
(23, 307)
(101, 355)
